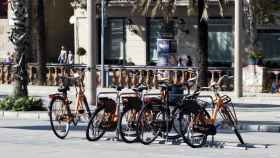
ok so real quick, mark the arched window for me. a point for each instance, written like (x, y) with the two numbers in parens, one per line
(3, 8)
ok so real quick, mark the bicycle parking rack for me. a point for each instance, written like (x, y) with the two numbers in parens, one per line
(210, 143)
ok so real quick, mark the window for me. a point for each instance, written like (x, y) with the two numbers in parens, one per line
(115, 39)
(3, 8)
(220, 42)
(155, 27)
(270, 45)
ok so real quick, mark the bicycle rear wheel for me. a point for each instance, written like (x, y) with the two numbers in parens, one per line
(193, 127)
(128, 125)
(59, 117)
(95, 128)
(149, 124)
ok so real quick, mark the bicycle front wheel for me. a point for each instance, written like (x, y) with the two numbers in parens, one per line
(95, 129)
(229, 115)
(59, 117)
(128, 125)
(193, 127)
(149, 124)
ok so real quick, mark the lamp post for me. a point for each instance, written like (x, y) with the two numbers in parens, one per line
(92, 48)
(103, 26)
(237, 57)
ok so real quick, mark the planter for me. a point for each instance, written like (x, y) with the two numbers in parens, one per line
(252, 61)
(259, 62)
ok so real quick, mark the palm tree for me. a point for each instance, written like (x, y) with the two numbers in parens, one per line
(202, 45)
(20, 37)
(40, 44)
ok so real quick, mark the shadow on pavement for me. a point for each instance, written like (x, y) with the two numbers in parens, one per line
(44, 127)
(257, 105)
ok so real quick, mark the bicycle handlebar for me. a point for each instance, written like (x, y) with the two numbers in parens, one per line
(214, 85)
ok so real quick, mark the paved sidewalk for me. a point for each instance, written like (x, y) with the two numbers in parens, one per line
(256, 111)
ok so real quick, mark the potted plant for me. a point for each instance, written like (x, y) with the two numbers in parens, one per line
(81, 52)
(259, 57)
(255, 58)
(251, 58)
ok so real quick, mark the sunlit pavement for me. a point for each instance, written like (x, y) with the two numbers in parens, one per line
(27, 139)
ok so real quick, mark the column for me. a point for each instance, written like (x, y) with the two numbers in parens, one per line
(92, 48)
(237, 56)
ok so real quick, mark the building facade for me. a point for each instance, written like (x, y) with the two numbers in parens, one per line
(130, 36)
(58, 30)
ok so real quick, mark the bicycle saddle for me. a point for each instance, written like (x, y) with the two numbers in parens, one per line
(140, 88)
(63, 89)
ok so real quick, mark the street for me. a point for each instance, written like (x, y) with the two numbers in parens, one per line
(30, 138)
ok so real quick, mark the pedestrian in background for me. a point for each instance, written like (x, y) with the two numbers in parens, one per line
(189, 61)
(62, 56)
(8, 59)
(70, 57)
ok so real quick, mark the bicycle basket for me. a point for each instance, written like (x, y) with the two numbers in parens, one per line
(132, 102)
(174, 94)
(152, 101)
(226, 99)
(190, 106)
(109, 104)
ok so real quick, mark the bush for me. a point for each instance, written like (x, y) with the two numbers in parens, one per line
(22, 104)
(81, 51)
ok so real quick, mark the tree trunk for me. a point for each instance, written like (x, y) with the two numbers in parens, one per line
(20, 37)
(41, 55)
(252, 26)
(202, 46)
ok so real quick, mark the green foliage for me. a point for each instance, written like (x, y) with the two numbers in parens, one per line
(21, 104)
(256, 55)
(81, 51)
(264, 11)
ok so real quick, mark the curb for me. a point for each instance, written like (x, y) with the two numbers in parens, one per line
(32, 115)
(259, 126)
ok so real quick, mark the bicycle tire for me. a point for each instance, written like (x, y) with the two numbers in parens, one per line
(62, 118)
(203, 117)
(151, 115)
(91, 122)
(131, 126)
(233, 121)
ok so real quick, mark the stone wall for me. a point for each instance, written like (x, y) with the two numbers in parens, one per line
(253, 79)
(5, 45)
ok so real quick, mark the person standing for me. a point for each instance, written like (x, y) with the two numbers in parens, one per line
(70, 58)
(8, 59)
(189, 61)
(62, 56)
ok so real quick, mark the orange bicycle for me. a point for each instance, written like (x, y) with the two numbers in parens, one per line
(196, 123)
(60, 113)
